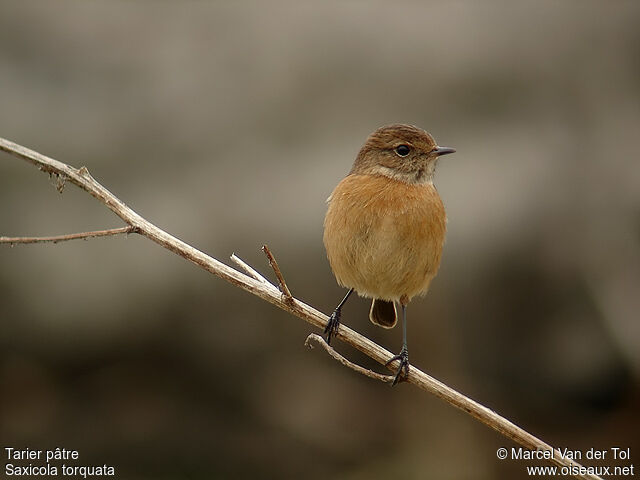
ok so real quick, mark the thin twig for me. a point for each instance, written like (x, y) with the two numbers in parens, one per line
(70, 236)
(82, 178)
(318, 340)
(249, 269)
(276, 269)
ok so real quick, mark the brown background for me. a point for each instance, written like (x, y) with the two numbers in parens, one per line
(228, 124)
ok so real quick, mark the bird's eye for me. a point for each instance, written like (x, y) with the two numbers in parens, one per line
(403, 150)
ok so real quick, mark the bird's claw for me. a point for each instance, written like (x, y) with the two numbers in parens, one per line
(332, 325)
(403, 369)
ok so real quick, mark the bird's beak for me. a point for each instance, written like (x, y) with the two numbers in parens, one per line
(444, 150)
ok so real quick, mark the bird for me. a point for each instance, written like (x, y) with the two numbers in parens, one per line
(385, 227)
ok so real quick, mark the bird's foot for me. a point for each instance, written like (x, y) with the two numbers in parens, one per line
(332, 325)
(403, 369)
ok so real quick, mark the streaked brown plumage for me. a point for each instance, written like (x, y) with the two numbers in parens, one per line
(385, 225)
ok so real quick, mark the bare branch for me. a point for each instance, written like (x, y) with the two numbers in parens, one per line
(274, 264)
(249, 269)
(82, 178)
(71, 236)
(318, 340)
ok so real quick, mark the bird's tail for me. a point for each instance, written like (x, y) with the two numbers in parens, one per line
(383, 313)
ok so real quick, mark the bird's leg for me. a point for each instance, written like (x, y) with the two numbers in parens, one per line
(334, 319)
(403, 369)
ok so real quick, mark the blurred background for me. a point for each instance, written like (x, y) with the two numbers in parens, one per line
(228, 124)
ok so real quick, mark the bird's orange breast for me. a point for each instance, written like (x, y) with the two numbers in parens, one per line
(384, 237)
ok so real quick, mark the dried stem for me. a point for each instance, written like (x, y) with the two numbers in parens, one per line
(276, 269)
(71, 236)
(82, 178)
(314, 338)
(249, 269)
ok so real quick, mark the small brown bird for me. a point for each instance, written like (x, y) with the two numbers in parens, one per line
(385, 227)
